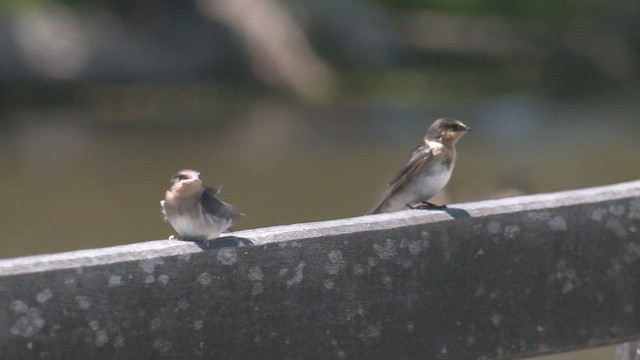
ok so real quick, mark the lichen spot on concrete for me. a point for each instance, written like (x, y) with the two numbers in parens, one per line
(567, 287)
(149, 279)
(496, 319)
(387, 250)
(359, 270)
(494, 228)
(19, 307)
(387, 281)
(29, 323)
(617, 210)
(84, 302)
(511, 231)
(162, 345)
(335, 264)
(299, 274)
(94, 325)
(149, 265)
(255, 274)
(227, 256)
(183, 304)
(204, 278)
(557, 224)
(118, 342)
(101, 338)
(410, 326)
(424, 235)
(329, 284)
(616, 227)
(155, 323)
(115, 280)
(283, 272)
(257, 288)
(44, 296)
(198, 324)
(631, 254)
(373, 330)
(598, 214)
(538, 215)
(414, 246)
(371, 261)
(615, 268)
(184, 257)
(163, 279)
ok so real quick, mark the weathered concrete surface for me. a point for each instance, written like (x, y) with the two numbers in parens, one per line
(496, 279)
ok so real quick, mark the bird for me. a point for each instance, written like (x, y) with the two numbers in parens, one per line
(426, 172)
(193, 209)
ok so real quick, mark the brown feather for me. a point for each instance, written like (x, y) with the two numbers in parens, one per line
(420, 156)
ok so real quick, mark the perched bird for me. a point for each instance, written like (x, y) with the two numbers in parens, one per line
(193, 210)
(426, 172)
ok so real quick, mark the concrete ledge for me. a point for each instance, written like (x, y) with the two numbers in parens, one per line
(496, 279)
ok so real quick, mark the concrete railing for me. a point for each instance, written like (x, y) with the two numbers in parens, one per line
(510, 278)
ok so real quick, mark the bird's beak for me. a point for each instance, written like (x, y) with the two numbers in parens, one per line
(468, 129)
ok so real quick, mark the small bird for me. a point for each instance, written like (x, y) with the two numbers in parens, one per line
(193, 210)
(426, 172)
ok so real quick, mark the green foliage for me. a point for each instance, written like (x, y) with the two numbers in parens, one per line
(16, 5)
(19, 5)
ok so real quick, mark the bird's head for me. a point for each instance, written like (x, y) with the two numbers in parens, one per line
(186, 182)
(447, 131)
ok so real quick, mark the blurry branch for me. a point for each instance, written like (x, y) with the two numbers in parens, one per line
(278, 50)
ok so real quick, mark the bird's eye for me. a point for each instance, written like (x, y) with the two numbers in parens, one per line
(182, 177)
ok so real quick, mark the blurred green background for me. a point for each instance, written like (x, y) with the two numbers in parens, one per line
(301, 110)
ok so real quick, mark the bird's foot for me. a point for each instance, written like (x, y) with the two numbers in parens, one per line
(425, 205)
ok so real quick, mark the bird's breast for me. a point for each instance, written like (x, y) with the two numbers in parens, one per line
(204, 226)
(431, 182)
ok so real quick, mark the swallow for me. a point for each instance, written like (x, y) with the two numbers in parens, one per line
(426, 172)
(193, 210)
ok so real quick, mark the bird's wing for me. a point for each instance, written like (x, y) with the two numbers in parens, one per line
(212, 191)
(419, 158)
(216, 207)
